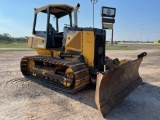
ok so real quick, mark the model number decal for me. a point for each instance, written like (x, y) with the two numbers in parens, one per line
(40, 46)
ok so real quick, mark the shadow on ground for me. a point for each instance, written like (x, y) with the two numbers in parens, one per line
(138, 105)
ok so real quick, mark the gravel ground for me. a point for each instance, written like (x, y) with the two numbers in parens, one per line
(24, 100)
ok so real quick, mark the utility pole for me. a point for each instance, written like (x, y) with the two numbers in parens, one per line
(112, 37)
(93, 2)
(142, 34)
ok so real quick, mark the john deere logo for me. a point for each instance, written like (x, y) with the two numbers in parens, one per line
(108, 11)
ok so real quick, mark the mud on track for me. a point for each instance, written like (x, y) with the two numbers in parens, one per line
(21, 98)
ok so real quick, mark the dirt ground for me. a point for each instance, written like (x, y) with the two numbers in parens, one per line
(21, 99)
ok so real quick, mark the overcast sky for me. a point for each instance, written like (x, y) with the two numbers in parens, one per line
(133, 17)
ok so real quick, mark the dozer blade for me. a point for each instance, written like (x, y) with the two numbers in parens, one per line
(115, 85)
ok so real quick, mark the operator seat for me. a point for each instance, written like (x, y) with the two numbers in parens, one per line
(52, 32)
(51, 29)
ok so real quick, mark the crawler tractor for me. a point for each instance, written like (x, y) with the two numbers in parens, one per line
(75, 57)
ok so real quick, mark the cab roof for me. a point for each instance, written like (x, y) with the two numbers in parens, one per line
(59, 10)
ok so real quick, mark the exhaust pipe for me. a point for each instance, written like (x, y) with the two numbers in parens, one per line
(75, 15)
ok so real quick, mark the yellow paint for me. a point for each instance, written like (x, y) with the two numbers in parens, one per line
(157, 41)
(30, 64)
(70, 58)
(123, 61)
(107, 26)
(37, 42)
(74, 41)
(30, 41)
(53, 53)
(88, 48)
(79, 41)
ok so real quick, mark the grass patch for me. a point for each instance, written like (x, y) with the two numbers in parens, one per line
(132, 46)
(13, 45)
(17, 50)
(118, 47)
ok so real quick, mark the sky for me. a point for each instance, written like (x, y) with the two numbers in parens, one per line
(136, 20)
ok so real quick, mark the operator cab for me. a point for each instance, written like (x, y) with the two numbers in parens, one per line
(46, 24)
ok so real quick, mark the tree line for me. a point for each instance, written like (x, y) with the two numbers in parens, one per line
(7, 38)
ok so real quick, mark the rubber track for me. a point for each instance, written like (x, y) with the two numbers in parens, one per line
(80, 70)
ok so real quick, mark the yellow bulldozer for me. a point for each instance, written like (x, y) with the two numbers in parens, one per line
(75, 57)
